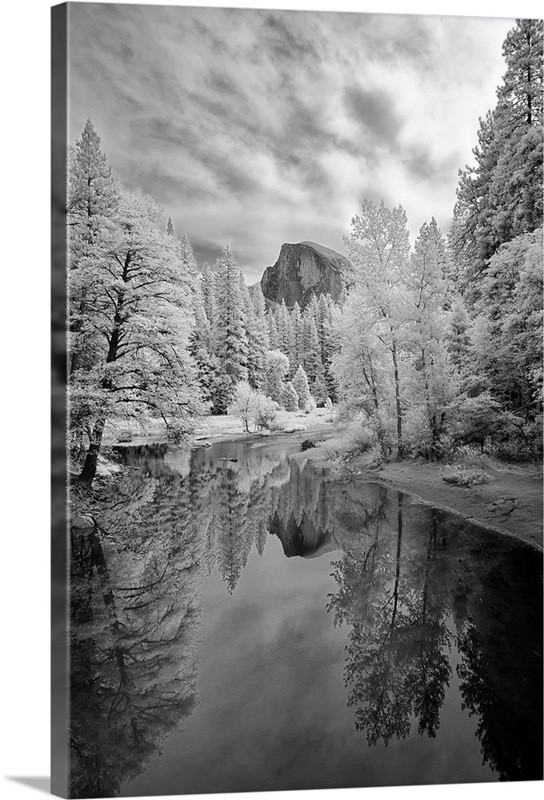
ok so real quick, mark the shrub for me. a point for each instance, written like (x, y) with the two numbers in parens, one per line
(307, 444)
(252, 406)
(461, 475)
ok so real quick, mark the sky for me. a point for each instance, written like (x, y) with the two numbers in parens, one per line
(257, 127)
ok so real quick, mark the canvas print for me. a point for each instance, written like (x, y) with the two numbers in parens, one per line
(303, 322)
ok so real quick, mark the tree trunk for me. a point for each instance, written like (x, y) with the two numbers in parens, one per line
(400, 446)
(91, 459)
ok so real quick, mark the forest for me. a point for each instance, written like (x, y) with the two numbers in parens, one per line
(436, 345)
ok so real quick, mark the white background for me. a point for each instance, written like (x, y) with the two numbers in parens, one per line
(24, 393)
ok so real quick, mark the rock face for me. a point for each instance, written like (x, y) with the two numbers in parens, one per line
(303, 270)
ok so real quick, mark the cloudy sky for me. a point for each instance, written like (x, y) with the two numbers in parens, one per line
(254, 128)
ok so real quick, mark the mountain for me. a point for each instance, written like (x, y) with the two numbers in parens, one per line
(305, 269)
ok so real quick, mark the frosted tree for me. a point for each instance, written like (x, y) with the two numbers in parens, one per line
(207, 278)
(93, 191)
(186, 257)
(283, 323)
(361, 371)
(230, 338)
(200, 348)
(500, 197)
(272, 328)
(252, 407)
(92, 199)
(326, 319)
(261, 339)
(257, 337)
(295, 339)
(137, 321)
(457, 337)
(379, 250)
(300, 384)
(508, 348)
(311, 357)
(433, 379)
(277, 367)
(289, 397)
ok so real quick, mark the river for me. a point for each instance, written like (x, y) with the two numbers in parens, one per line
(242, 621)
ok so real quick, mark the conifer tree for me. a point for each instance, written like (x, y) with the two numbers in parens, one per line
(300, 384)
(92, 200)
(310, 348)
(501, 197)
(260, 336)
(230, 338)
(208, 292)
(295, 338)
(282, 321)
(201, 350)
(93, 191)
(289, 397)
(457, 336)
(277, 367)
(272, 330)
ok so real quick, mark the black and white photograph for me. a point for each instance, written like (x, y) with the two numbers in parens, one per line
(304, 399)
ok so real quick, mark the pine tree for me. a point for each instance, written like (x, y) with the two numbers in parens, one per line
(277, 367)
(457, 334)
(92, 200)
(170, 230)
(311, 360)
(289, 397)
(300, 384)
(260, 337)
(282, 321)
(272, 327)
(501, 197)
(93, 191)
(208, 292)
(325, 335)
(201, 351)
(295, 338)
(230, 338)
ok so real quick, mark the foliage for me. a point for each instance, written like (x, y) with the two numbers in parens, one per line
(289, 397)
(277, 367)
(300, 384)
(251, 406)
(133, 328)
(500, 197)
(463, 476)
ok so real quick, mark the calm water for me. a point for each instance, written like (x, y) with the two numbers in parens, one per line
(253, 625)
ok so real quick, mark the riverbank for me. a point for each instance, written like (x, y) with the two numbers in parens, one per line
(510, 503)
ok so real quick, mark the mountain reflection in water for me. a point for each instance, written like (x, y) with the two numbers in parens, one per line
(404, 647)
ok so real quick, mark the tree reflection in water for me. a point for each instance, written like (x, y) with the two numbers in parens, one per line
(414, 588)
(397, 664)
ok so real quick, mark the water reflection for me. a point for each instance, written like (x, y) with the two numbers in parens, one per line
(426, 603)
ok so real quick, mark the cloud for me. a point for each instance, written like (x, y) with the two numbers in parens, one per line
(254, 127)
(375, 111)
